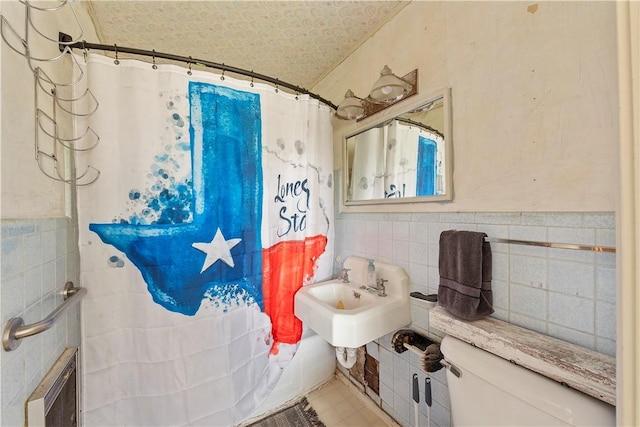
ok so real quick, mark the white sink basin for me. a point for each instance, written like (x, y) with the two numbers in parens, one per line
(342, 296)
(347, 316)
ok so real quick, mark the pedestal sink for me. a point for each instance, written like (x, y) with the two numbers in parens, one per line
(346, 315)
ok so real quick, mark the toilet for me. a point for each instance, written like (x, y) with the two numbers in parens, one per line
(491, 391)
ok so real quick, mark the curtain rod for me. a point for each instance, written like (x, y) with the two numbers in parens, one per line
(65, 41)
(420, 125)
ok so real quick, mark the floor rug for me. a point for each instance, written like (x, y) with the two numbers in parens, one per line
(301, 414)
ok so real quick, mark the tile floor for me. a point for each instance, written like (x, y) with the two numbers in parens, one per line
(341, 405)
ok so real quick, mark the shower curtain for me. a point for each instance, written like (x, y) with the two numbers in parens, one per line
(367, 177)
(213, 206)
(396, 160)
(427, 174)
(401, 165)
(412, 163)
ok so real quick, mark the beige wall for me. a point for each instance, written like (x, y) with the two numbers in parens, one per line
(628, 226)
(25, 191)
(534, 93)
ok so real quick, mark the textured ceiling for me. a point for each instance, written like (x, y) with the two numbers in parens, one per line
(294, 41)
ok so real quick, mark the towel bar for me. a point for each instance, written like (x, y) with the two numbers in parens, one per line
(15, 329)
(552, 244)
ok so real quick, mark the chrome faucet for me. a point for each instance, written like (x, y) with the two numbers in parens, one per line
(379, 288)
(344, 275)
(382, 291)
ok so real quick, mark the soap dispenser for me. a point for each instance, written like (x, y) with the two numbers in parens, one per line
(371, 275)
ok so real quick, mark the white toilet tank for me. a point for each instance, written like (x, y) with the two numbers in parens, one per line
(491, 391)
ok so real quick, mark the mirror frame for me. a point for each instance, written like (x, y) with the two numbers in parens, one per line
(388, 114)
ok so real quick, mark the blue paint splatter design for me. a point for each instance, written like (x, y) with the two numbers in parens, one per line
(223, 297)
(115, 262)
(167, 202)
(168, 197)
(180, 208)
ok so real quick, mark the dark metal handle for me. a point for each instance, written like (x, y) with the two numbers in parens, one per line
(416, 389)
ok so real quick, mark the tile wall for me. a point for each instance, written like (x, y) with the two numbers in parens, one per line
(564, 293)
(38, 257)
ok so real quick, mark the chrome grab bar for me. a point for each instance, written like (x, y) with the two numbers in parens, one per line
(16, 330)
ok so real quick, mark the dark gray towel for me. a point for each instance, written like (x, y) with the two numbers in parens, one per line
(465, 274)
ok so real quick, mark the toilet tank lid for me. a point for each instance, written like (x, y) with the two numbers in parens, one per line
(530, 387)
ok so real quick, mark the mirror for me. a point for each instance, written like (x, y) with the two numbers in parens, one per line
(403, 158)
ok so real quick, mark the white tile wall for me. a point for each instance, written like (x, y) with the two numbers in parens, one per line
(38, 257)
(560, 292)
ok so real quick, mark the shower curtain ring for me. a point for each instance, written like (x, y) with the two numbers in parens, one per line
(251, 84)
(222, 75)
(189, 72)
(154, 66)
(277, 83)
(116, 61)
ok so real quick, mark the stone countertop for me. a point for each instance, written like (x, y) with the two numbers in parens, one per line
(585, 370)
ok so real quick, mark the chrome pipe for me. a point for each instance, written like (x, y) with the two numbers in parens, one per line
(552, 245)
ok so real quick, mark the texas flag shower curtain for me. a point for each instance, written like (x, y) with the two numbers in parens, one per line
(213, 206)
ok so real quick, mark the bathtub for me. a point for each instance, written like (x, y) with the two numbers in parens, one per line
(313, 365)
